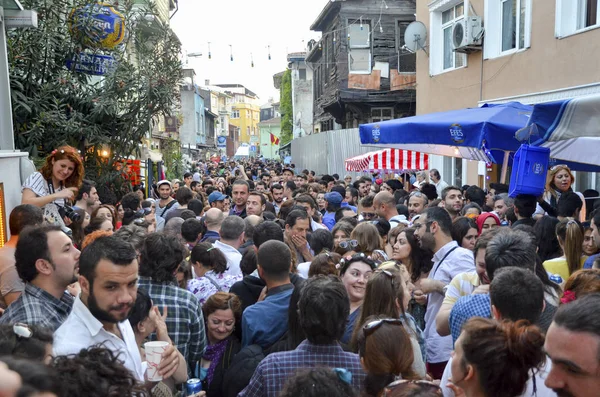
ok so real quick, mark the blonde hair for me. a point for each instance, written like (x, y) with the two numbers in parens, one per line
(570, 233)
(550, 178)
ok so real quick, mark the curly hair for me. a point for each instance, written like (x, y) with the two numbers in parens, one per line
(160, 256)
(96, 372)
(65, 153)
(32, 348)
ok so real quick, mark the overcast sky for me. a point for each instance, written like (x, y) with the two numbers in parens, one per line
(250, 26)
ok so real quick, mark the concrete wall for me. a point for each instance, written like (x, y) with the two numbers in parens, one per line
(11, 180)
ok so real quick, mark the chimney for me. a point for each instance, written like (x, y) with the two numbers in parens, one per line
(207, 82)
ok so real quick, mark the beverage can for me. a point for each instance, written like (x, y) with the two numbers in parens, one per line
(193, 386)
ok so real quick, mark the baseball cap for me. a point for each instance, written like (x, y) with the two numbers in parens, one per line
(216, 196)
(163, 182)
(334, 198)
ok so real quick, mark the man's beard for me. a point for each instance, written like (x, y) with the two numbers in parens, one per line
(102, 315)
(562, 393)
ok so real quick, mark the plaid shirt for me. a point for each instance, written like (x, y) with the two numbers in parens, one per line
(185, 322)
(476, 305)
(276, 368)
(37, 307)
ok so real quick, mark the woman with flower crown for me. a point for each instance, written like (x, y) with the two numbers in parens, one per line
(55, 185)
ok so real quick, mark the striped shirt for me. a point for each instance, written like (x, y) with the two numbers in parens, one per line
(462, 285)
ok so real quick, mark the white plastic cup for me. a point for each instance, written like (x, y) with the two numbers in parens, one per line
(154, 351)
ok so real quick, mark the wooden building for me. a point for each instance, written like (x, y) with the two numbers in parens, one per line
(361, 73)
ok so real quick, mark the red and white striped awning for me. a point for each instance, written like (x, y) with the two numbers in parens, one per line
(388, 159)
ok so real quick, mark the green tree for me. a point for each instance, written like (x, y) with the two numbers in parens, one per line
(54, 105)
(287, 111)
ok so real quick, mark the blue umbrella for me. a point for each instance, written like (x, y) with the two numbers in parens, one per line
(486, 133)
(472, 133)
(569, 128)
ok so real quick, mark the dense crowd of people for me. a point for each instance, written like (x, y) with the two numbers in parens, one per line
(262, 280)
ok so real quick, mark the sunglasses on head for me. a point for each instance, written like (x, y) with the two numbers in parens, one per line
(423, 385)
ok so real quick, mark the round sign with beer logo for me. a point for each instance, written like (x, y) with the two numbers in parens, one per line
(97, 25)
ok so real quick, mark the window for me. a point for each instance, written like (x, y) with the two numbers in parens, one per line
(381, 114)
(407, 61)
(508, 27)
(302, 74)
(443, 15)
(247, 130)
(235, 114)
(247, 114)
(452, 59)
(359, 47)
(573, 16)
(327, 125)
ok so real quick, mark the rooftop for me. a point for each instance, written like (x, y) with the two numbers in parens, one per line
(246, 91)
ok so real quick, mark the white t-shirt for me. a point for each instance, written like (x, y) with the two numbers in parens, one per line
(38, 185)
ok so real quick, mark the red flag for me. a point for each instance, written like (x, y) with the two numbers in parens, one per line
(274, 140)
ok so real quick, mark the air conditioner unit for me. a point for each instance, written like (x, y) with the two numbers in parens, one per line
(467, 34)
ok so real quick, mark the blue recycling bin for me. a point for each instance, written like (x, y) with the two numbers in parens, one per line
(530, 166)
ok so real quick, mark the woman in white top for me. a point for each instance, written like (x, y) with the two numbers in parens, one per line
(558, 181)
(56, 184)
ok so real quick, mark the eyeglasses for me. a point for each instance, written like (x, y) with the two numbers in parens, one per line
(348, 244)
(417, 226)
(387, 273)
(416, 194)
(372, 326)
(559, 166)
(368, 215)
(423, 385)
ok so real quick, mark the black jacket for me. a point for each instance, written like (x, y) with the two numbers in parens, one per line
(217, 386)
(241, 370)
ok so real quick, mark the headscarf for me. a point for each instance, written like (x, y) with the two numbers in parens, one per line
(481, 220)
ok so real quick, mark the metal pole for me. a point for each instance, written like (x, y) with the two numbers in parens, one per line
(504, 167)
(7, 141)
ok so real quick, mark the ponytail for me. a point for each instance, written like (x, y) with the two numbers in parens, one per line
(209, 257)
(571, 233)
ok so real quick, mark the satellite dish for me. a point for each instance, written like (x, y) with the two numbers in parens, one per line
(415, 36)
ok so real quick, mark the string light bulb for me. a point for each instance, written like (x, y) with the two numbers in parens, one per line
(361, 25)
(380, 28)
(251, 60)
(269, 47)
(231, 52)
(209, 54)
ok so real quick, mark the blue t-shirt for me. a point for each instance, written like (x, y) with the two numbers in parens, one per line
(264, 323)
(329, 220)
(589, 262)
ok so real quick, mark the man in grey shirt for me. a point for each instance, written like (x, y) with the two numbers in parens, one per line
(11, 285)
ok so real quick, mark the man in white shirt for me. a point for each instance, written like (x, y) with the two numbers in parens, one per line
(232, 237)
(432, 230)
(108, 276)
(436, 178)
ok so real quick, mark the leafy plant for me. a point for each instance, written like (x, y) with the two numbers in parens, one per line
(287, 112)
(53, 105)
